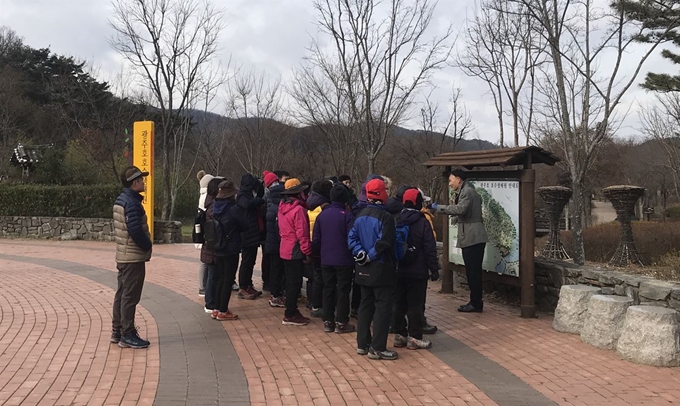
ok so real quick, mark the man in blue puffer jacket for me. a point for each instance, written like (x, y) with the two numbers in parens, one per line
(133, 250)
(372, 241)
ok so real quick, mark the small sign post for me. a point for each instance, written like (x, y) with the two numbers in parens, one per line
(142, 153)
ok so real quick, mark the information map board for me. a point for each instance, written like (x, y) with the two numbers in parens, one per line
(500, 213)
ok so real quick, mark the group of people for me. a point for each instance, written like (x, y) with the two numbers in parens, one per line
(368, 256)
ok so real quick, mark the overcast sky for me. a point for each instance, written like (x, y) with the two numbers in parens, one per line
(265, 34)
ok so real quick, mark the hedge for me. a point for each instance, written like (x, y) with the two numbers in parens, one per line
(84, 201)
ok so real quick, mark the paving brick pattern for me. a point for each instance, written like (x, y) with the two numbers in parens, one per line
(489, 358)
(54, 343)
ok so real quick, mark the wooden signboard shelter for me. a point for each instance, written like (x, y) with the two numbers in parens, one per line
(509, 164)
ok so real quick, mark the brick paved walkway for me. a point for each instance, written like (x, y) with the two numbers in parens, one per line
(55, 308)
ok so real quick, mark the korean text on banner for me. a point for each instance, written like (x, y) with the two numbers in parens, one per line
(142, 157)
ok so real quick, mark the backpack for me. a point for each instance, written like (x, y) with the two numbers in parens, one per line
(198, 233)
(406, 250)
(215, 239)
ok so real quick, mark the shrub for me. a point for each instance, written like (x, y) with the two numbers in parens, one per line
(673, 212)
(93, 201)
(653, 240)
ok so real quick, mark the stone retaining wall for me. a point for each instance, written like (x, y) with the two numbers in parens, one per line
(67, 228)
(644, 290)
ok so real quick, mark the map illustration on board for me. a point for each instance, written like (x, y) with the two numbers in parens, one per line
(500, 213)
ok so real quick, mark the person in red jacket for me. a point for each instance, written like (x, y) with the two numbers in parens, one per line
(296, 246)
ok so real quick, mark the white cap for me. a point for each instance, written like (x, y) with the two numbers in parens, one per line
(425, 198)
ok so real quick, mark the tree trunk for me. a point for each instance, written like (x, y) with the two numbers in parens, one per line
(371, 164)
(577, 226)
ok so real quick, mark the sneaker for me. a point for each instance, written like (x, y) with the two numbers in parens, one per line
(386, 355)
(362, 351)
(205, 309)
(244, 294)
(234, 287)
(416, 344)
(296, 320)
(254, 291)
(429, 329)
(132, 340)
(277, 301)
(214, 314)
(201, 293)
(115, 336)
(400, 341)
(226, 316)
(354, 313)
(316, 312)
(341, 328)
(328, 326)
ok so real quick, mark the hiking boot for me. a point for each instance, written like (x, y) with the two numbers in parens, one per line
(295, 320)
(115, 335)
(429, 329)
(416, 344)
(362, 351)
(132, 340)
(234, 287)
(354, 313)
(201, 293)
(328, 326)
(253, 291)
(400, 341)
(342, 328)
(470, 309)
(214, 314)
(244, 294)
(226, 316)
(316, 312)
(277, 301)
(386, 355)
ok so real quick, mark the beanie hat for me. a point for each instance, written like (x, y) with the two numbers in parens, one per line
(340, 194)
(203, 178)
(323, 188)
(269, 178)
(413, 199)
(292, 182)
(375, 190)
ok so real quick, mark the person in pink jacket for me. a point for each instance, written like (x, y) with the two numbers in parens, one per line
(296, 246)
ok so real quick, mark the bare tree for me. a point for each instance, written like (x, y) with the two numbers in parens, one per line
(379, 64)
(591, 70)
(257, 131)
(170, 44)
(661, 122)
(504, 51)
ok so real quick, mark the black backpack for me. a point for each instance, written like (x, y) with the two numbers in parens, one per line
(215, 238)
(406, 250)
(198, 233)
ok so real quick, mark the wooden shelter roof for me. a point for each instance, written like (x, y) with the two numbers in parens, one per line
(501, 157)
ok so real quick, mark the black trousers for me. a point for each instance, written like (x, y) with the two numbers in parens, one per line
(317, 287)
(130, 284)
(409, 298)
(473, 257)
(294, 271)
(376, 308)
(245, 272)
(337, 283)
(226, 273)
(210, 298)
(265, 265)
(356, 295)
(276, 274)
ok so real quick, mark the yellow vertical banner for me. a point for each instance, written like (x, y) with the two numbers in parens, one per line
(142, 157)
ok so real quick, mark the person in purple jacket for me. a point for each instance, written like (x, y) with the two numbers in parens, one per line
(337, 263)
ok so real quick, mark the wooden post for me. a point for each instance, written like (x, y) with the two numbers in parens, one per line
(526, 241)
(447, 271)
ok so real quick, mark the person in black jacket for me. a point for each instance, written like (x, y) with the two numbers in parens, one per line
(273, 242)
(395, 204)
(250, 205)
(372, 242)
(207, 254)
(413, 273)
(232, 225)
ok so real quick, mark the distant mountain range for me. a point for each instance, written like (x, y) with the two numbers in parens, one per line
(202, 118)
